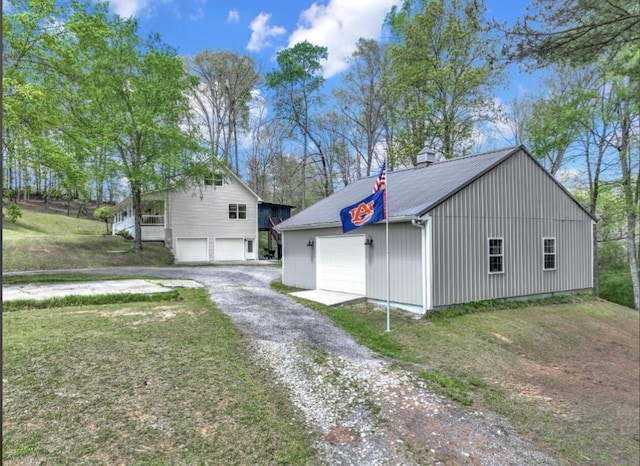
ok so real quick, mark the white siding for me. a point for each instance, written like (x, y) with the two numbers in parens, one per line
(204, 212)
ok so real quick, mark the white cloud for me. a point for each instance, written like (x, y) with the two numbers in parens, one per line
(261, 31)
(129, 8)
(233, 17)
(338, 26)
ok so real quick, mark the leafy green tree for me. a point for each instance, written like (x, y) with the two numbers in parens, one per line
(605, 34)
(557, 119)
(104, 213)
(442, 74)
(577, 32)
(136, 104)
(41, 46)
(296, 86)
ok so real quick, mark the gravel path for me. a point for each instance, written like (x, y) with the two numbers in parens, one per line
(362, 409)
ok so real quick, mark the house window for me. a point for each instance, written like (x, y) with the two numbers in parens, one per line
(237, 211)
(549, 253)
(496, 255)
(213, 179)
(250, 246)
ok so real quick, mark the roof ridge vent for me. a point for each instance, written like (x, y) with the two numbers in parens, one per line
(426, 156)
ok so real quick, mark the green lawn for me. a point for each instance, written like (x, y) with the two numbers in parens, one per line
(567, 374)
(171, 383)
(41, 241)
(143, 383)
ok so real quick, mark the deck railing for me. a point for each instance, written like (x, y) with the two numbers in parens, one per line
(157, 220)
(147, 221)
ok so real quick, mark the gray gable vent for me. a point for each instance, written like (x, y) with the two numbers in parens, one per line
(426, 157)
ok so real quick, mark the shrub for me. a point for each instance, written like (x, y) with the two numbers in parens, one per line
(14, 212)
(616, 286)
(125, 234)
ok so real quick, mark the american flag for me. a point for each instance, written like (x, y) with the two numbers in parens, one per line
(381, 181)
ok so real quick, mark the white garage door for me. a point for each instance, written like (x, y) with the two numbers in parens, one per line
(340, 264)
(192, 250)
(229, 249)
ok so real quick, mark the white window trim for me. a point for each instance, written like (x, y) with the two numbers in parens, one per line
(555, 254)
(489, 255)
(237, 211)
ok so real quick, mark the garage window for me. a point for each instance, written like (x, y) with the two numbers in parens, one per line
(496, 255)
(237, 211)
(549, 254)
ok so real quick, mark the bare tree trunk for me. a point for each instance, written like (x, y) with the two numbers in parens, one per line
(136, 197)
(304, 173)
(632, 251)
(631, 193)
(596, 261)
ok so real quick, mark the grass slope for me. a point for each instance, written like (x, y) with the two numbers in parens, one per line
(141, 383)
(567, 375)
(129, 379)
(44, 241)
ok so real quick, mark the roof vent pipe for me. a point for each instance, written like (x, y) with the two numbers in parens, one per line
(426, 156)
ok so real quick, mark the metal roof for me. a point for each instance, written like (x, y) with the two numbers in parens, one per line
(411, 192)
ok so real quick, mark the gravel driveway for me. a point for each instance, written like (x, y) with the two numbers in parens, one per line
(361, 408)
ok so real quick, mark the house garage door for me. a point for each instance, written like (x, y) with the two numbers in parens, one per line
(229, 249)
(192, 250)
(340, 264)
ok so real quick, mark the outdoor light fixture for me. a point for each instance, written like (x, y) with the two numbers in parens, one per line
(368, 241)
(310, 243)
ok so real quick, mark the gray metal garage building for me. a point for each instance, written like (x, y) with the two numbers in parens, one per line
(487, 226)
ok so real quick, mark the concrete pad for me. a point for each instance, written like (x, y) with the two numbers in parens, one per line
(329, 298)
(177, 283)
(40, 291)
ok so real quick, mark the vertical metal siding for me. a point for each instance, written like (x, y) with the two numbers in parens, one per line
(519, 203)
(299, 261)
(404, 252)
(405, 244)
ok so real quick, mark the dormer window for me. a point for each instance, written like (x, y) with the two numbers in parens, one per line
(213, 179)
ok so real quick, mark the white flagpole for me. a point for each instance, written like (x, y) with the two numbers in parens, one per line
(386, 215)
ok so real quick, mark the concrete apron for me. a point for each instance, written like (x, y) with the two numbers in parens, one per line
(40, 291)
(329, 298)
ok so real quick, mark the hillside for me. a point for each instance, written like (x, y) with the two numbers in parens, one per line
(45, 238)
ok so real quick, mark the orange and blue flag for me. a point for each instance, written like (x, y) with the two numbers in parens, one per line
(365, 212)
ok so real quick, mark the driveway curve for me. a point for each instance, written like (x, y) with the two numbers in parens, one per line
(361, 408)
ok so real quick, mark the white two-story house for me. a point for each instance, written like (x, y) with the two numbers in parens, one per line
(216, 220)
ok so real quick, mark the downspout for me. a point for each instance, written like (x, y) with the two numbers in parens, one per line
(420, 223)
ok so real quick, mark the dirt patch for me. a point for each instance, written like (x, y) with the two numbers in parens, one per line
(342, 434)
(57, 206)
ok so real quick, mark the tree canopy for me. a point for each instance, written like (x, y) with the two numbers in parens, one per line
(576, 31)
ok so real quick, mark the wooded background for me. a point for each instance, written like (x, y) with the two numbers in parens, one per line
(93, 111)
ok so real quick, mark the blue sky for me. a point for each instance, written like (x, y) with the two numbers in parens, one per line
(262, 28)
